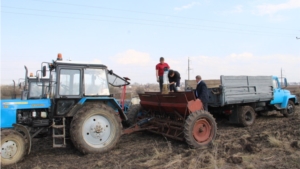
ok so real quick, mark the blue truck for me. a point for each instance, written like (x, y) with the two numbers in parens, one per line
(242, 97)
(73, 103)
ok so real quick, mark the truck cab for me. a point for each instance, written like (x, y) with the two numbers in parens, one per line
(283, 100)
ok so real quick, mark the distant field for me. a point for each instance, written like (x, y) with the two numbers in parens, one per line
(295, 89)
(7, 91)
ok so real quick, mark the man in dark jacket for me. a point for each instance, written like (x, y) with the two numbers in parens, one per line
(201, 92)
(174, 79)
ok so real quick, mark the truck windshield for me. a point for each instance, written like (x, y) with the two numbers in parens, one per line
(275, 84)
(95, 82)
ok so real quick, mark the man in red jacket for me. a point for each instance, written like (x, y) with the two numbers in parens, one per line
(160, 72)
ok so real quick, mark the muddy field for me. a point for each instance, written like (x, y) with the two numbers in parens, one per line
(272, 142)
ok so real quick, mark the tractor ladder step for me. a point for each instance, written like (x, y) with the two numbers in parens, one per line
(59, 134)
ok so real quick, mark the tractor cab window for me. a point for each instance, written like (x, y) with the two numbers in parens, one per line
(275, 84)
(69, 82)
(36, 89)
(95, 82)
(116, 80)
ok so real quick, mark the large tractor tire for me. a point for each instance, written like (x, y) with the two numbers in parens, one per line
(290, 110)
(95, 128)
(200, 129)
(246, 116)
(13, 147)
(132, 114)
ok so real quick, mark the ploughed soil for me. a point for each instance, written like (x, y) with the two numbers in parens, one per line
(272, 142)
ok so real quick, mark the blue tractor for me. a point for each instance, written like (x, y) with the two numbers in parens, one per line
(73, 103)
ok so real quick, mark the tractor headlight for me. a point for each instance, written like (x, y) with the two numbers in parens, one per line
(34, 114)
(43, 114)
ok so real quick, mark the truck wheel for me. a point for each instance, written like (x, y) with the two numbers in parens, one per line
(95, 128)
(290, 110)
(13, 147)
(132, 114)
(246, 116)
(200, 129)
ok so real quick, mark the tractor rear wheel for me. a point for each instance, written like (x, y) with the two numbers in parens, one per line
(95, 128)
(132, 114)
(200, 129)
(13, 147)
(290, 109)
(246, 116)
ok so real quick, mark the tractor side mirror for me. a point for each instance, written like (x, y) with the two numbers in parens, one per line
(110, 72)
(44, 71)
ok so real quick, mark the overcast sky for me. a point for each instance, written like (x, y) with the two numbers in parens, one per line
(220, 37)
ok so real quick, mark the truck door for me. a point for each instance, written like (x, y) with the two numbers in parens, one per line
(278, 93)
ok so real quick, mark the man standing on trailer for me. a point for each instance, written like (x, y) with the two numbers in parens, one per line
(201, 91)
(174, 79)
(160, 71)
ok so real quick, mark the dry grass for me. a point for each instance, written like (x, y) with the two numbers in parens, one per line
(274, 142)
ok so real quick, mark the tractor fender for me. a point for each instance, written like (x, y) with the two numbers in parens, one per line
(108, 100)
(25, 132)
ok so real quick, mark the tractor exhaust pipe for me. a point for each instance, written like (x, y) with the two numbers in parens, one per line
(24, 94)
(26, 77)
(14, 94)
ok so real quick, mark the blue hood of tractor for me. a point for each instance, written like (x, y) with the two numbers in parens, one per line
(9, 109)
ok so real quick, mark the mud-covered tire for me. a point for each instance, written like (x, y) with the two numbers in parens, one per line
(246, 116)
(95, 128)
(132, 114)
(200, 129)
(13, 147)
(290, 110)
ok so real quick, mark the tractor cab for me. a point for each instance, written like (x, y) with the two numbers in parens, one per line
(76, 79)
(75, 82)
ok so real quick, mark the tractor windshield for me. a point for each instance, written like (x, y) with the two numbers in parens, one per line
(116, 80)
(95, 82)
(36, 89)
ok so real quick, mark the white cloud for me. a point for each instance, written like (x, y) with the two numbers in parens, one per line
(190, 5)
(270, 9)
(241, 56)
(132, 57)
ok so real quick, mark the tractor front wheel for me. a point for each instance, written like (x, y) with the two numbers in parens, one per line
(13, 147)
(200, 129)
(95, 128)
